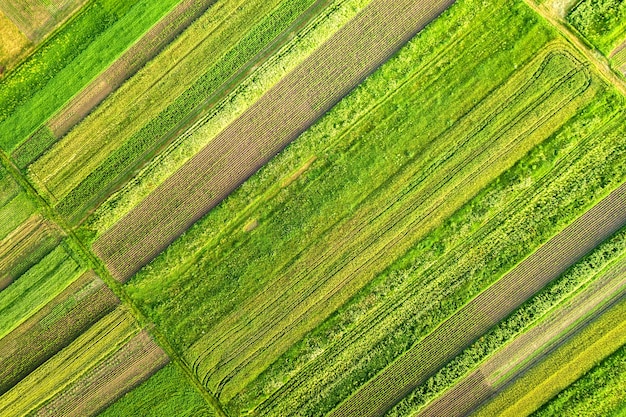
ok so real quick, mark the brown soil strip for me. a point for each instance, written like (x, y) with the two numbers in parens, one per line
(288, 109)
(146, 48)
(460, 400)
(24, 247)
(549, 334)
(488, 308)
(37, 18)
(53, 327)
(135, 362)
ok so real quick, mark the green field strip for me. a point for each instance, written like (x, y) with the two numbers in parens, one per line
(213, 118)
(31, 93)
(36, 287)
(166, 393)
(8, 188)
(94, 176)
(25, 246)
(52, 328)
(558, 369)
(599, 392)
(101, 340)
(556, 311)
(14, 213)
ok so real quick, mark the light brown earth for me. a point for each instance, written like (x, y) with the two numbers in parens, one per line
(262, 131)
(146, 48)
(488, 308)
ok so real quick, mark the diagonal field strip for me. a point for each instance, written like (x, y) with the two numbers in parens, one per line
(488, 308)
(262, 131)
(528, 348)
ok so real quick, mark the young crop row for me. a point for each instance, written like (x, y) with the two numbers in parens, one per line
(131, 364)
(261, 79)
(245, 145)
(76, 109)
(52, 328)
(558, 369)
(25, 246)
(37, 286)
(77, 198)
(393, 223)
(599, 392)
(166, 393)
(68, 61)
(564, 301)
(99, 342)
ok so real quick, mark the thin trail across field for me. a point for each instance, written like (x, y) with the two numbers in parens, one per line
(262, 131)
(488, 308)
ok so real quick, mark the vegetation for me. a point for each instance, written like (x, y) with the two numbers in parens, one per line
(166, 393)
(417, 244)
(600, 392)
(602, 22)
(57, 70)
(563, 366)
(292, 232)
(541, 306)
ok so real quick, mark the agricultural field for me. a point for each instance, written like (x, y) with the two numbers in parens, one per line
(295, 208)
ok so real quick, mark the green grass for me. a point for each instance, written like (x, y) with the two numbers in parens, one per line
(351, 184)
(530, 314)
(35, 288)
(562, 367)
(58, 70)
(212, 122)
(600, 392)
(166, 393)
(602, 22)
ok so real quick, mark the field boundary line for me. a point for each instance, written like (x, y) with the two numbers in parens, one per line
(94, 263)
(593, 56)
